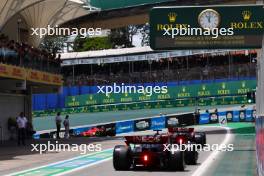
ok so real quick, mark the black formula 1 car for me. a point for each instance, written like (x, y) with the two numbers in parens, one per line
(157, 151)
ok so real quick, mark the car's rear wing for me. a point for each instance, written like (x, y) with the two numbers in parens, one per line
(152, 139)
(179, 129)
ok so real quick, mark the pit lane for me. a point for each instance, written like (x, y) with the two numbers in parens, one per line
(215, 135)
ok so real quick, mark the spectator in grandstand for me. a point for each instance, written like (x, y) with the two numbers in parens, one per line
(58, 125)
(25, 55)
(66, 124)
(21, 124)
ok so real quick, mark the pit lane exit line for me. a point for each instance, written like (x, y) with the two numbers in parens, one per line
(68, 166)
(210, 159)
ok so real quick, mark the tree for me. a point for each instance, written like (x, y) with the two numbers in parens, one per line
(132, 30)
(144, 30)
(120, 38)
(53, 44)
(89, 44)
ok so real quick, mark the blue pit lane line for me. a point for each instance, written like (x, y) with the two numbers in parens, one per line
(68, 166)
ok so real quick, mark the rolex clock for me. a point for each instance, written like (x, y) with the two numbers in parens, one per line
(209, 18)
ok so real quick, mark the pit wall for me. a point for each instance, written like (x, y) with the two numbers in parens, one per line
(161, 122)
(78, 96)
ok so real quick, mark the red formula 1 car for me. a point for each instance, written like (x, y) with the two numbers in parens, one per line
(156, 151)
(93, 132)
(189, 134)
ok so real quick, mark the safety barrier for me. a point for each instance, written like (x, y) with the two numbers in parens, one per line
(206, 101)
(75, 96)
(161, 122)
(246, 115)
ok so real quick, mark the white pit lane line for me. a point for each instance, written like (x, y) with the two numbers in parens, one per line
(64, 161)
(210, 159)
(198, 172)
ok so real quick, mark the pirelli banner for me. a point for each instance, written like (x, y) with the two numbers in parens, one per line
(9, 71)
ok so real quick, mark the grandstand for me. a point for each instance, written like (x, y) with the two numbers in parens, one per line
(24, 71)
(142, 65)
(216, 77)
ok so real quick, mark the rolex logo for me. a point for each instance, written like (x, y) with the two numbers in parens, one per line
(172, 17)
(243, 84)
(223, 85)
(203, 87)
(246, 15)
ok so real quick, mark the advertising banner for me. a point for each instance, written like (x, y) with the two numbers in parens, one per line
(43, 77)
(124, 127)
(109, 129)
(172, 121)
(213, 117)
(229, 116)
(242, 115)
(204, 118)
(184, 95)
(249, 115)
(222, 118)
(231, 27)
(9, 71)
(142, 125)
(158, 123)
(236, 116)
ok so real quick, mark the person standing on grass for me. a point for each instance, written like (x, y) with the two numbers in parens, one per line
(58, 125)
(66, 124)
(21, 125)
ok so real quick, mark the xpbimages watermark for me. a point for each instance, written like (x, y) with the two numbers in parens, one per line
(57, 147)
(189, 31)
(198, 147)
(147, 90)
(59, 31)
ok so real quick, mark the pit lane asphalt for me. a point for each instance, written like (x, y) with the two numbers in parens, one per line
(215, 135)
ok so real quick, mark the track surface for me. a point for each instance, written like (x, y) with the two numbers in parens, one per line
(240, 162)
(214, 136)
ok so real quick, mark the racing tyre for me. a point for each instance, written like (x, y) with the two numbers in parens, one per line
(176, 161)
(200, 138)
(191, 156)
(121, 157)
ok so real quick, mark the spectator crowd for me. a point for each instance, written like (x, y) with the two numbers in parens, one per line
(24, 55)
(197, 67)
